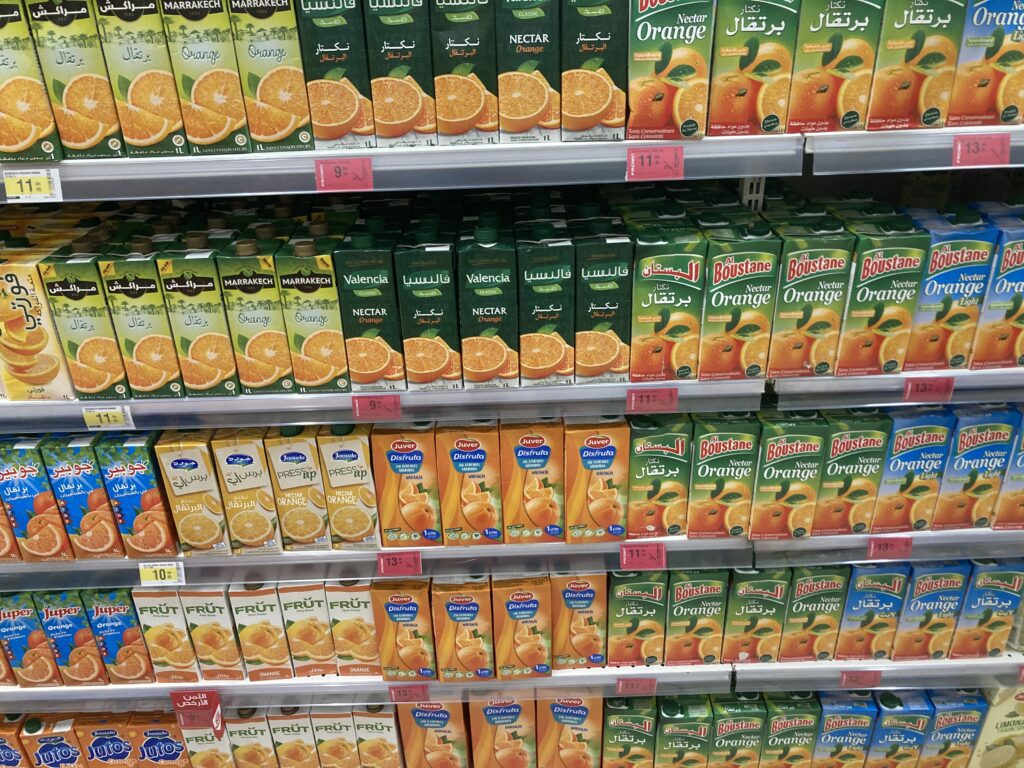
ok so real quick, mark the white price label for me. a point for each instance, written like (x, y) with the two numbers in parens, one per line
(32, 185)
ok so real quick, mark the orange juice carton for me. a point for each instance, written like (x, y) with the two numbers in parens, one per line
(434, 732)
(158, 740)
(69, 634)
(77, 484)
(308, 628)
(990, 604)
(11, 752)
(292, 732)
(914, 465)
(569, 728)
(739, 729)
(165, 632)
(792, 453)
(522, 627)
(630, 730)
(580, 633)
(205, 747)
(659, 475)
(847, 722)
(722, 474)
(259, 624)
(874, 603)
(504, 731)
(335, 735)
(348, 485)
(818, 596)
(106, 740)
(187, 468)
(297, 480)
(696, 617)
(978, 456)
(246, 490)
(405, 461)
(959, 717)
(989, 57)
(32, 509)
(999, 324)
(469, 483)
(532, 491)
(904, 720)
(758, 601)
(1009, 514)
(249, 734)
(352, 626)
(24, 643)
(49, 741)
(140, 505)
(935, 594)
(6, 673)
(377, 735)
(213, 632)
(635, 641)
(791, 728)
(118, 635)
(916, 64)
(854, 456)
(685, 724)
(401, 613)
(751, 68)
(462, 628)
(596, 479)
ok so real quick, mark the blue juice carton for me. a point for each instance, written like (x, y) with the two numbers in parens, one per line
(32, 509)
(24, 643)
(935, 595)
(978, 456)
(874, 603)
(998, 343)
(990, 604)
(913, 469)
(118, 635)
(70, 635)
(904, 719)
(844, 734)
(77, 484)
(1009, 514)
(959, 716)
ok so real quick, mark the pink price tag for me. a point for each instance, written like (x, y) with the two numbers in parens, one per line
(377, 407)
(353, 174)
(642, 556)
(636, 686)
(198, 709)
(1020, 674)
(654, 163)
(406, 694)
(657, 400)
(399, 563)
(885, 548)
(930, 389)
(973, 149)
(860, 678)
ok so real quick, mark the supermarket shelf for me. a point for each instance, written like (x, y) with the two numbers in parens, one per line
(925, 545)
(828, 675)
(897, 151)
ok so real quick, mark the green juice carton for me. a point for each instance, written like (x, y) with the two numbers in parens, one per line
(661, 448)
(685, 724)
(205, 68)
(935, 594)
(959, 717)
(139, 66)
(75, 76)
(757, 608)
(529, 70)
(75, 294)
(791, 729)
(27, 115)
(594, 78)
(334, 57)
(991, 602)
(722, 473)
(630, 729)
(604, 272)
(874, 603)
(401, 72)
(904, 720)
(270, 67)
(739, 729)
(815, 612)
(696, 617)
(636, 618)
(847, 722)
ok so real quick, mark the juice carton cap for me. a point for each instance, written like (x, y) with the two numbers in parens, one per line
(910, 702)
(666, 422)
(952, 701)
(595, 422)
(914, 416)
(685, 707)
(236, 435)
(635, 705)
(648, 233)
(888, 227)
(242, 714)
(849, 702)
(827, 228)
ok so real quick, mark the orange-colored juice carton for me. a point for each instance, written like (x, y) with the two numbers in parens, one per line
(335, 735)
(298, 487)
(401, 613)
(348, 485)
(67, 629)
(991, 601)
(292, 732)
(246, 490)
(158, 740)
(695, 622)
(522, 627)
(636, 618)
(49, 741)
(596, 479)
(31, 507)
(260, 627)
(434, 733)
(569, 728)
(935, 594)
(213, 632)
(249, 735)
(352, 626)
(165, 630)
(405, 465)
(580, 635)
(105, 739)
(6, 673)
(504, 732)
(12, 754)
(308, 628)
(24, 643)
(532, 491)
(377, 735)
(469, 483)
(462, 628)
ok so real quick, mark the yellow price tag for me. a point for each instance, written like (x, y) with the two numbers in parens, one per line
(32, 185)
(101, 417)
(171, 573)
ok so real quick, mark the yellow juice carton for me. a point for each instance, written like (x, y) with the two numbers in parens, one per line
(348, 485)
(1001, 743)
(165, 630)
(308, 628)
(192, 491)
(377, 735)
(434, 733)
(596, 479)
(249, 735)
(569, 728)
(246, 490)
(401, 613)
(580, 635)
(213, 632)
(406, 478)
(504, 732)
(462, 628)
(298, 487)
(522, 627)
(469, 483)
(260, 627)
(636, 618)
(335, 735)
(532, 462)
(352, 626)
(292, 731)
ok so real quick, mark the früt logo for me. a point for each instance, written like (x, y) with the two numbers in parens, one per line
(520, 597)
(403, 446)
(847, 444)
(466, 444)
(400, 599)
(784, 448)
(974, 437)
(938, 583)
(733, 269)
(909, 440)
(133, 287)
(596, 442)
(946, 257)
(716, 446)
(74, 290)
(882, 264)
(193, 10)
(1013, 256)
(805, 265)
(126, 10)
(531, 441)
(652, 269)
(806, 587)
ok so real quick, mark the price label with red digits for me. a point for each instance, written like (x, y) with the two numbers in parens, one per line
(860, 678)
(974, 149)
(642, 556)
(399, 563)
(890, 547)
(377, 407)
(409, 694)
(636, 686)
(928, 389)
(654, 163)
(656, 400)
(352, 174)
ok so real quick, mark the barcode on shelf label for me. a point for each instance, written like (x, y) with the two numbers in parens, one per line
(928, 389)
(654, 163)
(974, 149)
(103, 417)
(636, 686)
(171, 574)
(652, 400)
(399, 563)
(352, 174)
(860, 678)
(642, 556)
(405, 694)
(890, 547)
(377, 407)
